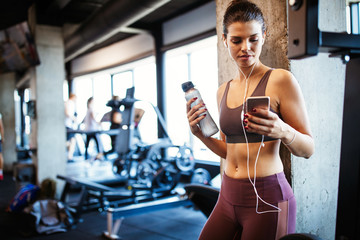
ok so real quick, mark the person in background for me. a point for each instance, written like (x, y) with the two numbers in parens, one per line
(70, 124)
(255, 200)
(114, 117)
(2, 139)
(91, 124)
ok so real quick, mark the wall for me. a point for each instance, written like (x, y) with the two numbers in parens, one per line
(322, 81)
(190, 24)
(114, 55)
(7, 88)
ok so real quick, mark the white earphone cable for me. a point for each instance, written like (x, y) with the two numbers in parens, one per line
(257, 155)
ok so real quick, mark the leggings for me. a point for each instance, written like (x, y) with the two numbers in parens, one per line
(235, 216)
(97, 139)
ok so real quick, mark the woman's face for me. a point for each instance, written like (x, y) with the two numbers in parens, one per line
(244, 42)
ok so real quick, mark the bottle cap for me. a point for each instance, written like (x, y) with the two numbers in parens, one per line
(187, 85)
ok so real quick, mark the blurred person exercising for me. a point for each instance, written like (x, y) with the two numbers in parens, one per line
(91, 124)
(70, 124)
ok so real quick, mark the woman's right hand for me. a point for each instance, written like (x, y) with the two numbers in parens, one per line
(193, 116)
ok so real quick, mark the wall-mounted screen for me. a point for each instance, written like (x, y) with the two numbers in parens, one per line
(17, 49)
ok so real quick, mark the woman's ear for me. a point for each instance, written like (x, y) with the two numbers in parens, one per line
(224, 40)
(264, 36)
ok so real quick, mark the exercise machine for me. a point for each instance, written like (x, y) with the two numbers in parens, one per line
(146, 172)
(115, 216)
(148, 166)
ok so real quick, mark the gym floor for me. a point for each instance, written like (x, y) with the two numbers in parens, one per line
(175, 223)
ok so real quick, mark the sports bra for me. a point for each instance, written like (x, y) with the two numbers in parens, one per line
(230, 118)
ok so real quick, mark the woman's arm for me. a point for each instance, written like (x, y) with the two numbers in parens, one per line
(215, 145)
(294, 127)
(117, 118)
(2, 130)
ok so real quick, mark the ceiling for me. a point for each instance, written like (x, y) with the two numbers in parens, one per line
(78, 12)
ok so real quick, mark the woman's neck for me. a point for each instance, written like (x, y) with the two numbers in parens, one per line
(244, 73)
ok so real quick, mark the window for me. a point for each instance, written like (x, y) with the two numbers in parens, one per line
(353, 17)
(121, 82)
(103, 85)
(196, 62)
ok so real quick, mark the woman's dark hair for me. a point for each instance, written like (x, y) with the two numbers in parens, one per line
(89, 101)
(242, 11)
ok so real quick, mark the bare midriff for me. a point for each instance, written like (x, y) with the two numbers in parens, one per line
(268, 162)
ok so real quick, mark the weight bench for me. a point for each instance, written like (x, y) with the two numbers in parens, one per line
(95, 195)
(115, 216)
(89, 189)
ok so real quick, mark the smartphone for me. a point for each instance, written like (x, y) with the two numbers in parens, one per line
(257, 102)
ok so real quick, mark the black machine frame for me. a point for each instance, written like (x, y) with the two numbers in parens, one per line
(306, 40)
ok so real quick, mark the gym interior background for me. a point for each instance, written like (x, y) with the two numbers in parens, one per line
(155, 48)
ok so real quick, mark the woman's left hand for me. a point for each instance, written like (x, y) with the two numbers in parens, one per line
(264, 122)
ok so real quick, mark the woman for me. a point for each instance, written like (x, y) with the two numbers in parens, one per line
(92, 125)
(255, 201)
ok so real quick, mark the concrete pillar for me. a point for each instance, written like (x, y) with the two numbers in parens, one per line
(7, 109)
(316, 180)
(48, 129)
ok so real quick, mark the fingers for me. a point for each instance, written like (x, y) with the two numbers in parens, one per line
(260, 121)
(195, 114)
(196, 110)
(194, 122)
(188, 104)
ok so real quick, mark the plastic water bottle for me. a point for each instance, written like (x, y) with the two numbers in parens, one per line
(207, 125)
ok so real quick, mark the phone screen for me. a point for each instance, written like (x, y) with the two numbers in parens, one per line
(257, 102)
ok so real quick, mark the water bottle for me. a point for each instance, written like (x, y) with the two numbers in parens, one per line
(207, 125)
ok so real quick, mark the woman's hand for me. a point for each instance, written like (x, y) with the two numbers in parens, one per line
(264, 122)
(193, 116)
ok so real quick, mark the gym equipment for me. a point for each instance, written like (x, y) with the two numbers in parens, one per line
(147, 172)
(204, 197)
(157, 165)
(115, 216)
(98, 196)
(300, 236)
(201, 176)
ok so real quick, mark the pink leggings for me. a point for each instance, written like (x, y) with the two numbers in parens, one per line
(235, 217)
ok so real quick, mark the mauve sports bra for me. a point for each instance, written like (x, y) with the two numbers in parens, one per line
(230, 118)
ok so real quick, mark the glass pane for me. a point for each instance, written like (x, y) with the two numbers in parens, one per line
(196, 62)
(204, 74)
(83, 88)
(176, 72)
(102, 94)
(146, 91)
(121, 82)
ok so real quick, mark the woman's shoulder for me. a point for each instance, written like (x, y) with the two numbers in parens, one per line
(281, 73)
(221, 88)
(223, 85)
(281, 76)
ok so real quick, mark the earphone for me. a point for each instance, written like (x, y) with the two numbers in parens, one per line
(262, 144)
